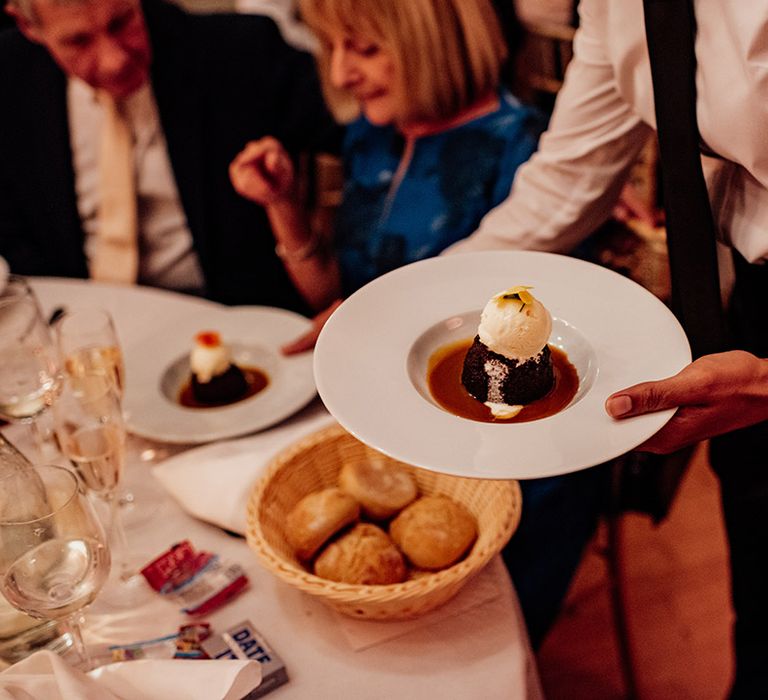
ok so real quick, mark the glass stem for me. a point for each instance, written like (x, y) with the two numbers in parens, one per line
(119, 539)
(72, 626)
(38, 443)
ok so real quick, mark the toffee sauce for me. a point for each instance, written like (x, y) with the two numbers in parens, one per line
(444, 381)
(256, 379)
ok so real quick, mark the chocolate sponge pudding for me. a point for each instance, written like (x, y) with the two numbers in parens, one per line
(509, 363)
(216, 380)
(228, 387)
(491, 377)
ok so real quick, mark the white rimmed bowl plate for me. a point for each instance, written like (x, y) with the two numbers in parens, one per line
(371, 362)
(157, 370)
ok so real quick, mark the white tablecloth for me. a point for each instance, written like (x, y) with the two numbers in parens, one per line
(479, 653)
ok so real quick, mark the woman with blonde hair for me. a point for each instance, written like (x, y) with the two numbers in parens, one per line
(434, 146)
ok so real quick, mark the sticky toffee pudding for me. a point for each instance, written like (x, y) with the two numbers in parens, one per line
(444, 381)
(508, 372)
(215, 379)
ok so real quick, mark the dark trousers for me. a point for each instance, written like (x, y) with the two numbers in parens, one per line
(559, 516)
(740, 460)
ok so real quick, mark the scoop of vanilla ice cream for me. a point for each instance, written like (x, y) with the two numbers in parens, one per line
(209, 357)
(515, 329)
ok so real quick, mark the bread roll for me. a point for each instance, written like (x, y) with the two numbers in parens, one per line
(317, 517)
(364, 555)
(433, 532)
(382, 489)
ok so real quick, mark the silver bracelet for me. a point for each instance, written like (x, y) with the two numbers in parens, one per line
(304, 252)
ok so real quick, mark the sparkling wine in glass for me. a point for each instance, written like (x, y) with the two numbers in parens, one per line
(91, 433)
(58, 577)
(88, 344)
(54, 557)
(97, 454)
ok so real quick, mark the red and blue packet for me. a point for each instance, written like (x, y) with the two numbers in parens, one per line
(200, 581)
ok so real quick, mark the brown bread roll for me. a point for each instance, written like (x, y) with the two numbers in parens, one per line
(381, 489)
(317, 517)
(433, 532)
(364, 555)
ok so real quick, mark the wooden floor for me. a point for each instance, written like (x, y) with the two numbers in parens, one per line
(676, 589)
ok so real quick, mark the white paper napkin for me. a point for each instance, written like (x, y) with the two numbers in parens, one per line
(486, 586)
(213, 482)
(45, 675)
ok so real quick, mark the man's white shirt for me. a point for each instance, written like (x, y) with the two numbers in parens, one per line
(167, 257)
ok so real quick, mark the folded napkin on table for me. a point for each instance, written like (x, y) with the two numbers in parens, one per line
(47, 675)
(213, 482)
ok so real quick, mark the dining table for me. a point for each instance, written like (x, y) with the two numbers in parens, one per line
(474, 646)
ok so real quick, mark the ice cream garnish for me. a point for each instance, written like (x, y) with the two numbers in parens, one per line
(519, 293)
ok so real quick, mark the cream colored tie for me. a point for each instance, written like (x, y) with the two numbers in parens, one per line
(115, 253)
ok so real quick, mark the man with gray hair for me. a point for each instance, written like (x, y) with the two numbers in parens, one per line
(123, 118)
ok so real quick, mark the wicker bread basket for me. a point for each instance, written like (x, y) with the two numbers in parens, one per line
(313, 464)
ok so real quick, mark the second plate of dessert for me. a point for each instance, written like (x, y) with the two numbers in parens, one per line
(390, 363)
(218, 374)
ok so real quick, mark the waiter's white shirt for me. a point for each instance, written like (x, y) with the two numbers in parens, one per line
(166, 255)
(603, 115)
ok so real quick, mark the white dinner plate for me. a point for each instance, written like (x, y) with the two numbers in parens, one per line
(157, 370)
(371, 362)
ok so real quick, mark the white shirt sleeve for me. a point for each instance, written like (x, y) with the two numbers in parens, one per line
(569, 187)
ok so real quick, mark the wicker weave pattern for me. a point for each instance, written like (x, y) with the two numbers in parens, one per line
(313, 464)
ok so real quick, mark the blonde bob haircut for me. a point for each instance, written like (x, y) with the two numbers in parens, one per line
(447, 53)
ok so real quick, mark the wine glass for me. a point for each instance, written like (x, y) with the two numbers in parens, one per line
(88, 344)
(89, 426)
(29, 367)
(54, 557)
(21, 635)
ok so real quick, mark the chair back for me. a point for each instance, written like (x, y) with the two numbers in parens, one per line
(546, 51)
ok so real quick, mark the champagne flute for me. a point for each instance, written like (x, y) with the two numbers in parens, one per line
(88, 344)
(89, 427)
(54, 557)
(29, 368)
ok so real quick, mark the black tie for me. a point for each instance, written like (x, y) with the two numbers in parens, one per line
(670, 32)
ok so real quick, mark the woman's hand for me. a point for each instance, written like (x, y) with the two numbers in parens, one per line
(715, 394)
(263, 172)
(308, 340)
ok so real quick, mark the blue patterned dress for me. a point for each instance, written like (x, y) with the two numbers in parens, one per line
(453, 179)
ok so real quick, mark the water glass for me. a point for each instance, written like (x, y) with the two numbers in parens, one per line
(54, 557)
(29, 367)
